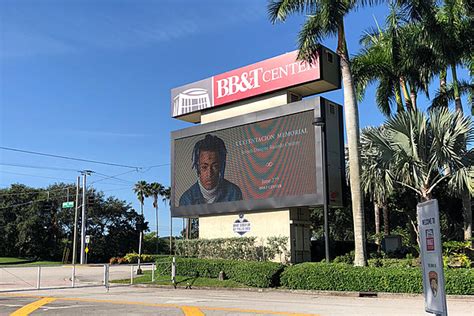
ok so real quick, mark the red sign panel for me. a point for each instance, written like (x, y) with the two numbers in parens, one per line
(265, 76)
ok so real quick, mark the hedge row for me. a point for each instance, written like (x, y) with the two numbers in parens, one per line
(251, 273)
(318, 276)
(342, 277)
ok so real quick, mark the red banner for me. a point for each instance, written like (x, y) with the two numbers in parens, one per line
(266, 76)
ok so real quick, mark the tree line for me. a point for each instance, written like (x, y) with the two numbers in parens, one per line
(34, 225)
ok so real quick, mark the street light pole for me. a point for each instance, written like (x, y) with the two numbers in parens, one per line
(74, 242)
(320, 122)
(83, 215)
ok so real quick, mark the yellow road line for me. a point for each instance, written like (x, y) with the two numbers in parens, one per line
(27, 309)
(191, 308)
(191, 311)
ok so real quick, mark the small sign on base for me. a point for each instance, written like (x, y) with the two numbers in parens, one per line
(431, 258)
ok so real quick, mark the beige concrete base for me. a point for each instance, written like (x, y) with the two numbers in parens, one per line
(291, 223)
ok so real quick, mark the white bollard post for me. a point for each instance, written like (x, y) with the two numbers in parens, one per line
(153, 272)
(73, 276)
(38, 280)
(106, 276)
(131, 274)
(173, 271)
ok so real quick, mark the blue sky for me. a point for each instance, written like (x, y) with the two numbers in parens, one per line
(92, 79)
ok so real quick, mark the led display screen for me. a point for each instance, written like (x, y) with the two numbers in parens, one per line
(266, 163)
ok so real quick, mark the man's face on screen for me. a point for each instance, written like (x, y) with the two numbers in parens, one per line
(209, 169)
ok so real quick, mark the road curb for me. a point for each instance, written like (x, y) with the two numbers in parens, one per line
(309, 292)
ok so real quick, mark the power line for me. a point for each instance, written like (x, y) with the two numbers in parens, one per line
(114, 177)
(37, 167)
(69, 158)
(36, 176)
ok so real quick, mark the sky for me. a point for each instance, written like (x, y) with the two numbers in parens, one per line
(91, 79)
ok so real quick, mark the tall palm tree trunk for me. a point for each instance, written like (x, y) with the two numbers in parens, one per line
(351, 114)
(406, 95)
(442, 84)
(457, 97)
(386, 221)
(398, 98)
(377, 224)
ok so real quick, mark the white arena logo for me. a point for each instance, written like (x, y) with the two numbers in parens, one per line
(191, 100)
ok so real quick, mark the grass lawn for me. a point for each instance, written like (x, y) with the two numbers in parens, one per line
(11, 260)
(42, 263)
(25, 262)
(181, 281)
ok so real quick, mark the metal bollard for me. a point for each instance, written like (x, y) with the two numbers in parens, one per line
(153, 272)
(73, 276)
(173, 271)
(38, 280)
(106, 276)
(131, 274)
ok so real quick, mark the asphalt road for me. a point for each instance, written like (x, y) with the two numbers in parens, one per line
(128, 300)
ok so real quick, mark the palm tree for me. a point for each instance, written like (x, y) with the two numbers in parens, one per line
(398, 59)
(421, 152)
(140, 189)
(155, 190)
(326, 18)
(376, 179)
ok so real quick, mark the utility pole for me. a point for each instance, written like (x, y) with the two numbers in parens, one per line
(85, 173)
(76, 206)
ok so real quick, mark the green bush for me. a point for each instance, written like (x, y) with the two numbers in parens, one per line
(238, 248)
(341, 277)
(133, 258)
(393, 263)
(457, 254)
(257, 274)
(251, 273)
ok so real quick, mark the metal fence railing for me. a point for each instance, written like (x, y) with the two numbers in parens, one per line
(25, 278)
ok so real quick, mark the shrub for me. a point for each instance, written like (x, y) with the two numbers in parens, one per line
(457, 254)
(122, 260)
(341, 277)
(133, 257)
(239, 248)
(251, 273)
(257, 274)
(394, 263)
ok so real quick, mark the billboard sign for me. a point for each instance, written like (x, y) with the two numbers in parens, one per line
(263, 77)
(431, 257)
(267, 159)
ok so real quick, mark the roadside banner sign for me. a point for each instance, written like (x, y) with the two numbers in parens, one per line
(68, 204)
(431, 257)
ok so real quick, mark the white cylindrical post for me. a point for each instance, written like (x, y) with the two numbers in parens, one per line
(131, 274)
(73, 275)
(106, 276)
(153, 272)
(173, 271)
(38, 280)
